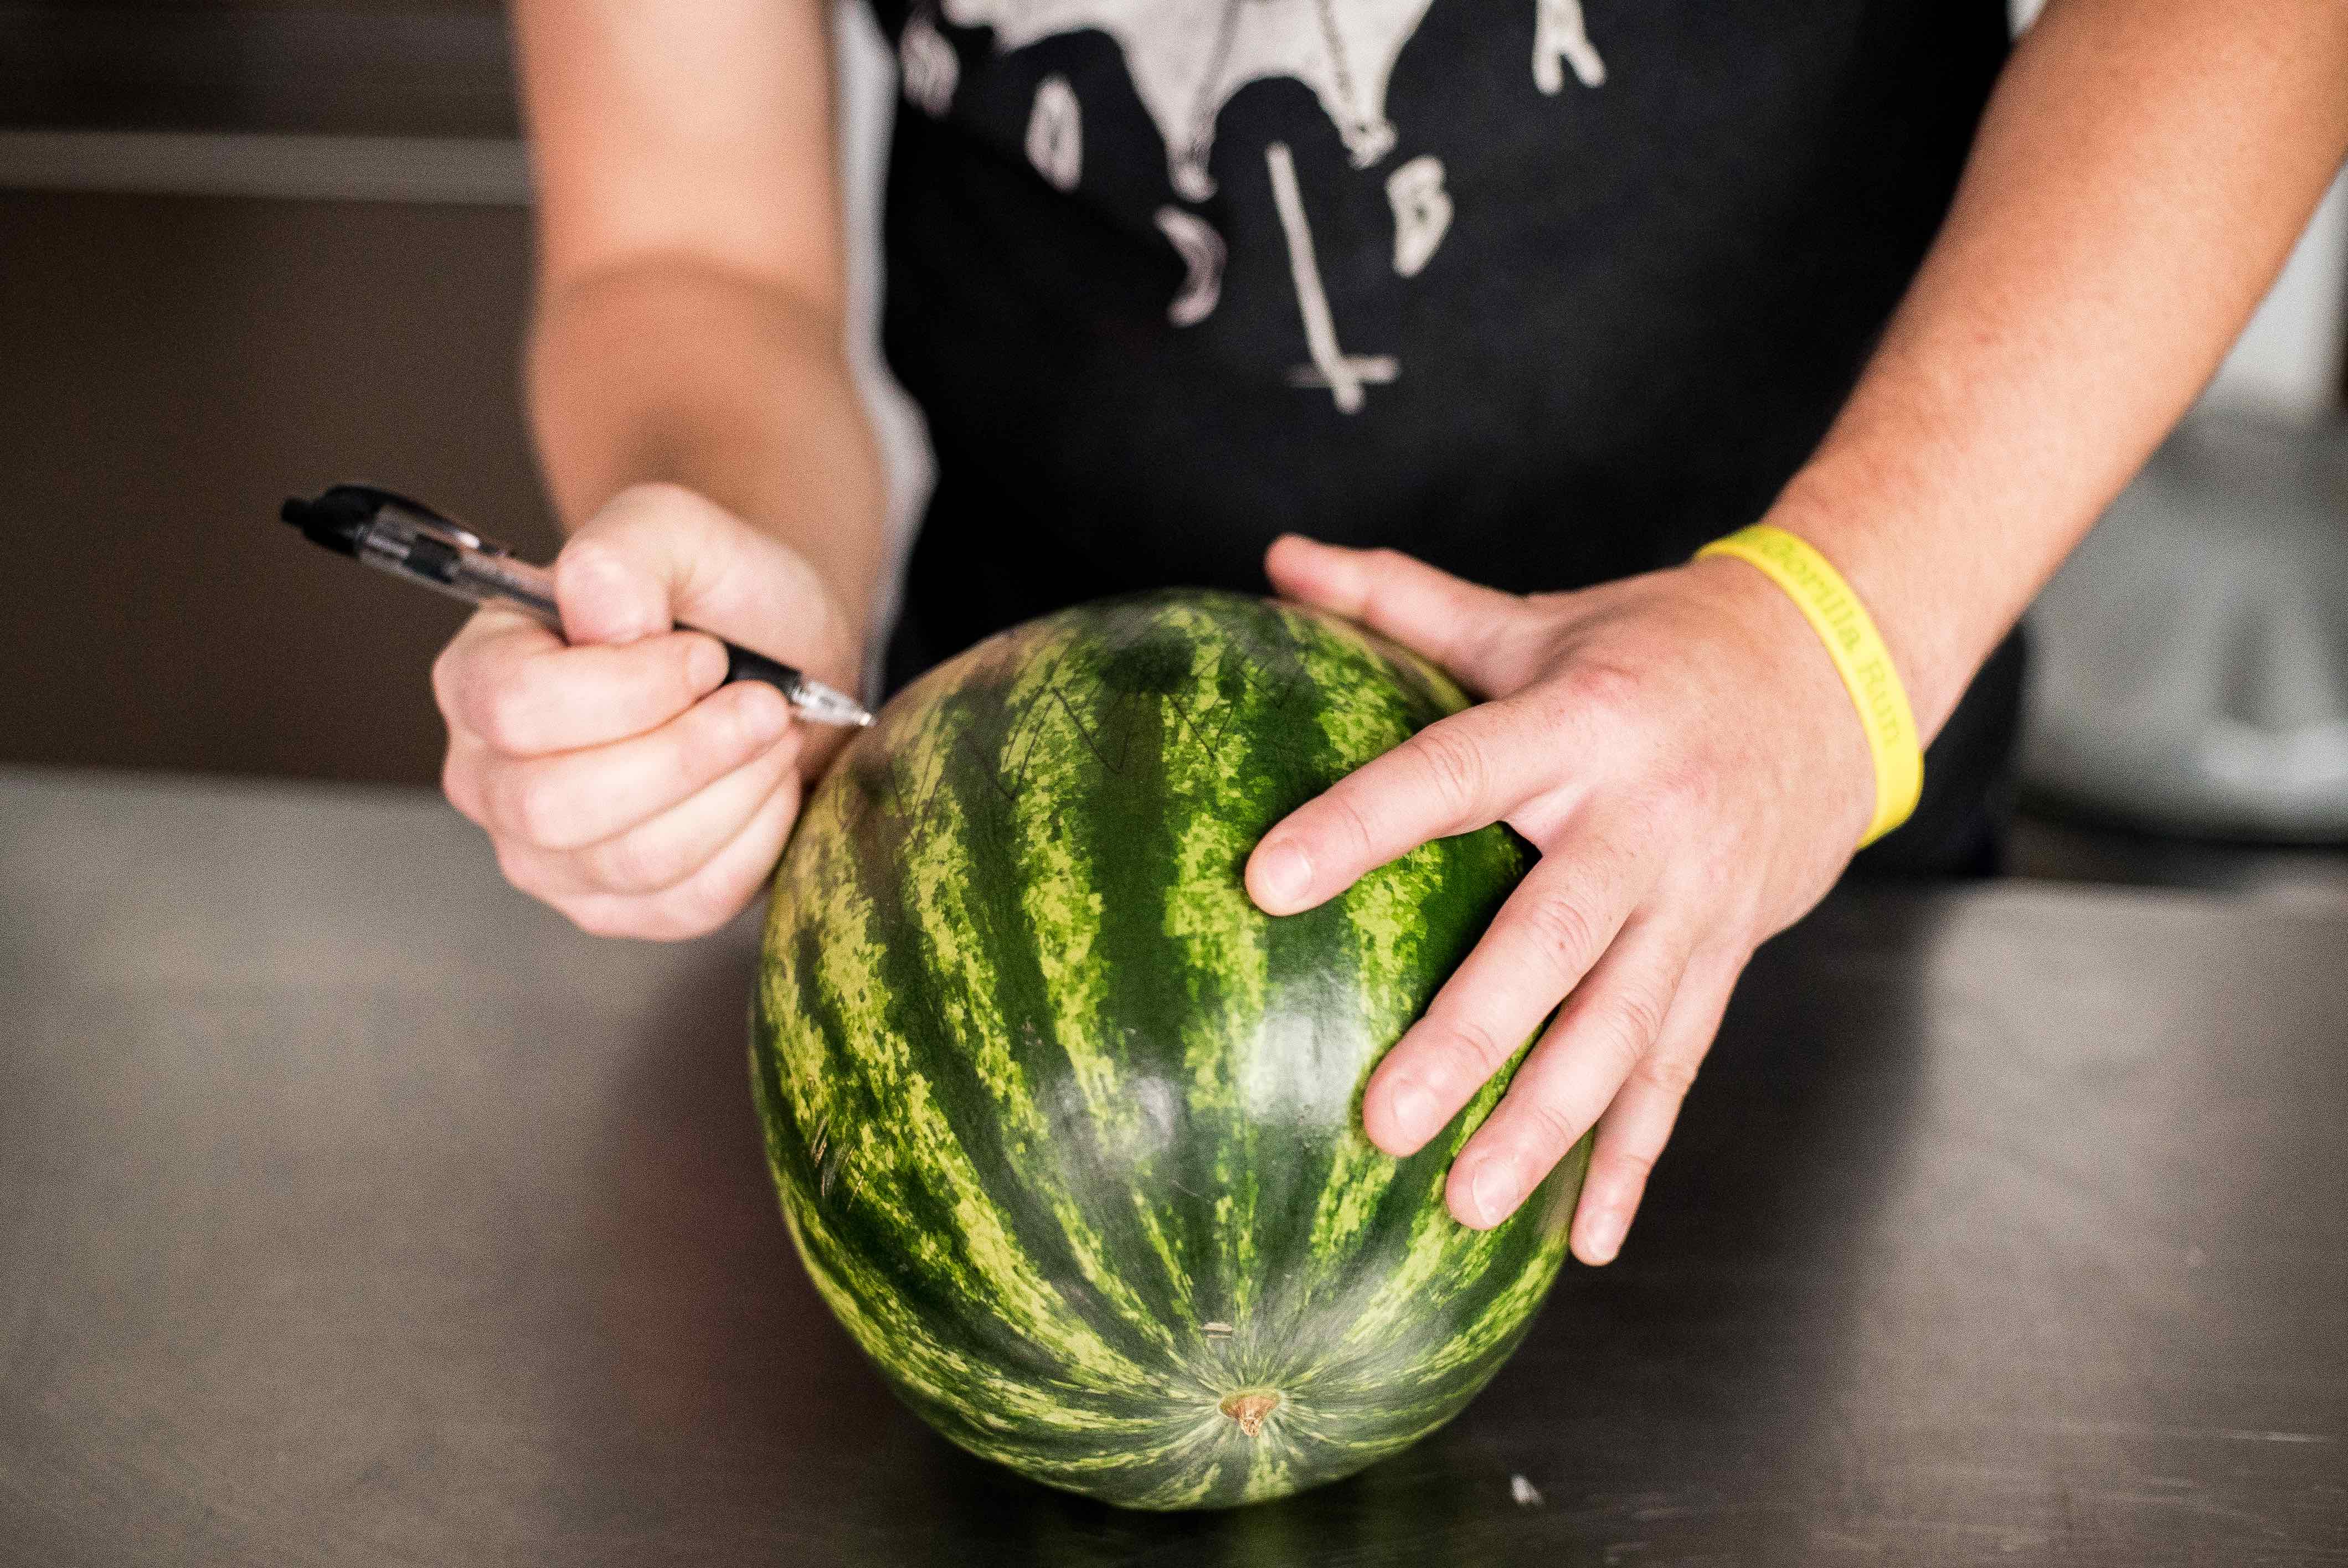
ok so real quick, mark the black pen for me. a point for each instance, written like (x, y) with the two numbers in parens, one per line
(409, 539)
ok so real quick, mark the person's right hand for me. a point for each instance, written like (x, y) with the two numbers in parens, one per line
(618, 780)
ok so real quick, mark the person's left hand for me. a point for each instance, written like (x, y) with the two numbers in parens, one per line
(1680, 749)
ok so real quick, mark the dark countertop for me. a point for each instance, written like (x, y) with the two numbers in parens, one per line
(354, 1209)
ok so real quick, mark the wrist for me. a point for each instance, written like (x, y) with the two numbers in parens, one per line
(1775, 653)
(672, 373)
(1932, 586)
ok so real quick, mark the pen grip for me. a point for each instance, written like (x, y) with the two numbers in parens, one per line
(741, 664)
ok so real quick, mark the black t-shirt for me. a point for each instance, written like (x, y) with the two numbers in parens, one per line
(1543, 293)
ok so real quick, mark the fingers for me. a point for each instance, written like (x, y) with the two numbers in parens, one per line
(1600, 1035)
(654, 555)
(1451, 621)
(659, 554)
(1462, 774)
(572, 799)
(616, 580)
(665, 850)
(1635, 1127)
(1545, 938)
(685, 868)
(513, 686)
(703, 901)
(619, 780)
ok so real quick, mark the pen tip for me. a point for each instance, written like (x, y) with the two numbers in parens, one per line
(826, 706)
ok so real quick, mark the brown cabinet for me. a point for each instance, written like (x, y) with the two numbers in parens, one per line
(173, 364)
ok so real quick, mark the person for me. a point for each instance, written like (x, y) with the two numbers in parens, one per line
(1468, 321)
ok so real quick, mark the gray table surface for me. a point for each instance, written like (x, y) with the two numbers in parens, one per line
(354, 1210)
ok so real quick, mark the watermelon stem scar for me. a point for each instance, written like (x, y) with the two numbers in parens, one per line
(1249, 1407)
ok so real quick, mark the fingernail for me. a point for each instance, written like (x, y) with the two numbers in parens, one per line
(1604, 1237)
(1284, 873)
(1414, 1112)
(765, 714)
(705, 666)
(1492, 1191)
(617, 611)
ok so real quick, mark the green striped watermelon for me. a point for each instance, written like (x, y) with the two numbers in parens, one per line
(1068, 1133)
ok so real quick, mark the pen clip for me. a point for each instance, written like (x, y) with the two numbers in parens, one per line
(417, 515)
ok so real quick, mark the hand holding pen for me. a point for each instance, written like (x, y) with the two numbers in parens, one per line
(630, 778)
(409, 539)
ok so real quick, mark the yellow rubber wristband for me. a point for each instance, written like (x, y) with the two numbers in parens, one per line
(1860, 657)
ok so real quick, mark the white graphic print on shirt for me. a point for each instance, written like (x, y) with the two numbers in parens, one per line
(1201, 250)
(927, 66)
(1186, 59)
(1055, 137)
(1422, 213)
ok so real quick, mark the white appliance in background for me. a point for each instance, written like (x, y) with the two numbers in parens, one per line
(2189, 665)
(2287, 364)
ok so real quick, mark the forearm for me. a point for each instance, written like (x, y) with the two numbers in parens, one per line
(2140, 175)
(668, 370)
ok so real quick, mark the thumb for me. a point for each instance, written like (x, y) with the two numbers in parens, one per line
(656, 555)
(617, 579)
(1452, 621)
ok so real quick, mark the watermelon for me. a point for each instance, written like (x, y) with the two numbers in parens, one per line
(1066, 1132)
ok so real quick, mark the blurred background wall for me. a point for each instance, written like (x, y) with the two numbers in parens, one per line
(246, 250)
(250, 247)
